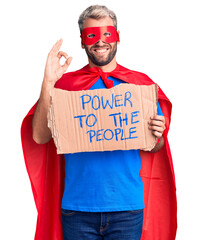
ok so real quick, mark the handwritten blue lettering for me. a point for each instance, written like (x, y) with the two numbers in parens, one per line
(117, 132)
(104, 104)
(83, 100)
(114, 117)
(99, 134)
(118, 100)
(111, 132)
(127, 98)
(134, 114)
(98, 101)
(132, 132)
(123, 120)
(91, 133)
(80, 119)
(88, 117)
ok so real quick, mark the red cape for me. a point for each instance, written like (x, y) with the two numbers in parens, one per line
(46, 169)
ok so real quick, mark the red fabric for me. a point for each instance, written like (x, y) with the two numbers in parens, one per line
(158, 140)
(46, 169)
(99, 33)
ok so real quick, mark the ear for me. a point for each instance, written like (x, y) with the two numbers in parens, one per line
(118, 42)
(82, 45)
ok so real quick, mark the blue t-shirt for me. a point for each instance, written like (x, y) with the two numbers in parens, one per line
(103, 181)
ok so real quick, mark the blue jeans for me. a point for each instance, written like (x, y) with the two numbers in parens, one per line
(124, 225)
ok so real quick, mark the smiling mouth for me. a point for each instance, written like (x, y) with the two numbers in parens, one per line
(101, 50)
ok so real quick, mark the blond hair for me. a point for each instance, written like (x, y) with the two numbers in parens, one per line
(96, 12)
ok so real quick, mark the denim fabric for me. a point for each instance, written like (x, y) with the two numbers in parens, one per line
(123, 225)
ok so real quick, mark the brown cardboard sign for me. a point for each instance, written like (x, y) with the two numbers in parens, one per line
(103, 119)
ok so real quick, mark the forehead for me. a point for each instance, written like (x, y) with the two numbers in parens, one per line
(90, 22)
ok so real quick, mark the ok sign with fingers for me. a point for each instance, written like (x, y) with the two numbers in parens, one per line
(53, 69)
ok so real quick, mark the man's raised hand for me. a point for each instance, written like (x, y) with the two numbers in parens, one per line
(53, 69)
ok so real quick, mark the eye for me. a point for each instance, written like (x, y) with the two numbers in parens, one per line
(91, 35)
(107, 34)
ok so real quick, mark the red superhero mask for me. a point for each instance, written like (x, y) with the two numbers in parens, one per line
(107, 34)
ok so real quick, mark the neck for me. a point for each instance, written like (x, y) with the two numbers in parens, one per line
(106, 68)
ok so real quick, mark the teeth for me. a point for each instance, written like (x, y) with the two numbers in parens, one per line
(101, 50)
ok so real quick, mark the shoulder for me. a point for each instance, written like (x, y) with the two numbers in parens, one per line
(68, 79)
(138, 77)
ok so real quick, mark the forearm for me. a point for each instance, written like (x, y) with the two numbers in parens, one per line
(41, 132)
(53, 72)
(159, 145)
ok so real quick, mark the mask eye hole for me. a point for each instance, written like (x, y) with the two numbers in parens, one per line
(107, 34)
(91, 35)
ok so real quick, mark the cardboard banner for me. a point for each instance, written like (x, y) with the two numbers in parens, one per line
(103, 119)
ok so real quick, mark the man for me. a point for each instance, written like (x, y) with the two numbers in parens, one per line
(103, 191)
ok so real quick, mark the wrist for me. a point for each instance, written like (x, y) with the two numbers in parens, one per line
(48, 84)
(48, 81)
(45, 90)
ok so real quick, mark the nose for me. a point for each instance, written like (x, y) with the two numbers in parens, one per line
(100, 42)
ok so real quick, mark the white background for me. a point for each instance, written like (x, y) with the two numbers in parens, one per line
(158, 38)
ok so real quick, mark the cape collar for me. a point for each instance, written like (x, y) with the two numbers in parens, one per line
(104, 75)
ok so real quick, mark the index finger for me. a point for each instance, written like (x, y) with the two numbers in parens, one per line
(159, 118)
(56, 47)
